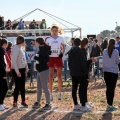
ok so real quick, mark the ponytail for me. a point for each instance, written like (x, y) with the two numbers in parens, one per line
(111, 47)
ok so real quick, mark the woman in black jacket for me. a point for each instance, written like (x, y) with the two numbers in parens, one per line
(3, 82)
(78, 71)
(42, 58)
(84, 46)
(96, 51)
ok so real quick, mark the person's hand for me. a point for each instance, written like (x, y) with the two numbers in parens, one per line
(94, 59)
(19, 75)
(61, 55)
(4, 78)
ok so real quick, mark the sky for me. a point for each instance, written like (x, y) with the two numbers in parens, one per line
(93, 16)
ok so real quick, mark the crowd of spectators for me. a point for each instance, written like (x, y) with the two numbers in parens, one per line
(21, 25)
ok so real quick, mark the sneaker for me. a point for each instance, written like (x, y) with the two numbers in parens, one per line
(59, 95)
(111, 108)
(51, 97)
(84, 109)
(24, 104)
(6, 107)
(90, 106)
(2, 108)
(36, 105)
(47, 107)
(14, 104)
(77, 107)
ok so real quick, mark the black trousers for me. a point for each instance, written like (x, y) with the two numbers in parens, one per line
(19, 84)
(3, 90)
(110, 80)
(81, 82)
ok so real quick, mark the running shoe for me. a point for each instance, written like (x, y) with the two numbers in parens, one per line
(90, 106)
(14, 104)
(59, 95)
(2, 108)
(47, 107)
(36, 105)
(77, 107)
(84, 109)
(51, 97)
(24, 104)
(111, 108)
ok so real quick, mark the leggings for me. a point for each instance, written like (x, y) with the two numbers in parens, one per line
(42, 83)
(80, 81)
(19, 85)
(110, 80)
(3, 90)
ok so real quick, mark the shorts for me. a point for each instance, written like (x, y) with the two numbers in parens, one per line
(55, 62)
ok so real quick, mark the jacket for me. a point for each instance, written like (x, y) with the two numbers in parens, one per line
(77, 62)
(42, 58)
(2, 64)
(117, 46)
(18, 59)
(96, 51)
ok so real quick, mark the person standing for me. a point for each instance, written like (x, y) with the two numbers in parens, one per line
(21, 25)
(34, 47)
(90, 44)
(19, 70)
(42, 58)
(57, 49)
(43, 24)
(96, 51)
(84, 47)
(8, 66)
(3, 82)
(110, 68)
(76, 59)
(104, 44)
(117, 46)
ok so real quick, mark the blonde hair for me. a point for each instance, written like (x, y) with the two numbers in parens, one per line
(60, 30)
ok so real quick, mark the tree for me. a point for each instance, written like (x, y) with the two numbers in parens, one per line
(117, 28)
(105, 33)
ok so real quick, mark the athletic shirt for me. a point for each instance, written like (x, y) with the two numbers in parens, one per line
(56, 45)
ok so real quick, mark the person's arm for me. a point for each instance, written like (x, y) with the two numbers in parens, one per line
(83, 63)
(42, 56)
(2, 65)
(63, 46)
(14, 57)
(91, 54)
(117, 57)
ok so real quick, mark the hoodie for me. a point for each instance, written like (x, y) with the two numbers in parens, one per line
(42, 58)
(77, 62)
(2, 63)
(18, 59)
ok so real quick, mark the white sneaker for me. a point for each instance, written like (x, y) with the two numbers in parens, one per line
(51, 97)
(59, 95)
(2, 108)
(77, 107)
(6, 107)
(90, 106)
(84, 109)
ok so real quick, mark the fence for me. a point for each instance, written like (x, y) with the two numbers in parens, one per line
(97, 69)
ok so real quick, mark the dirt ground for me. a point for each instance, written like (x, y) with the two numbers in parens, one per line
(63, 110)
